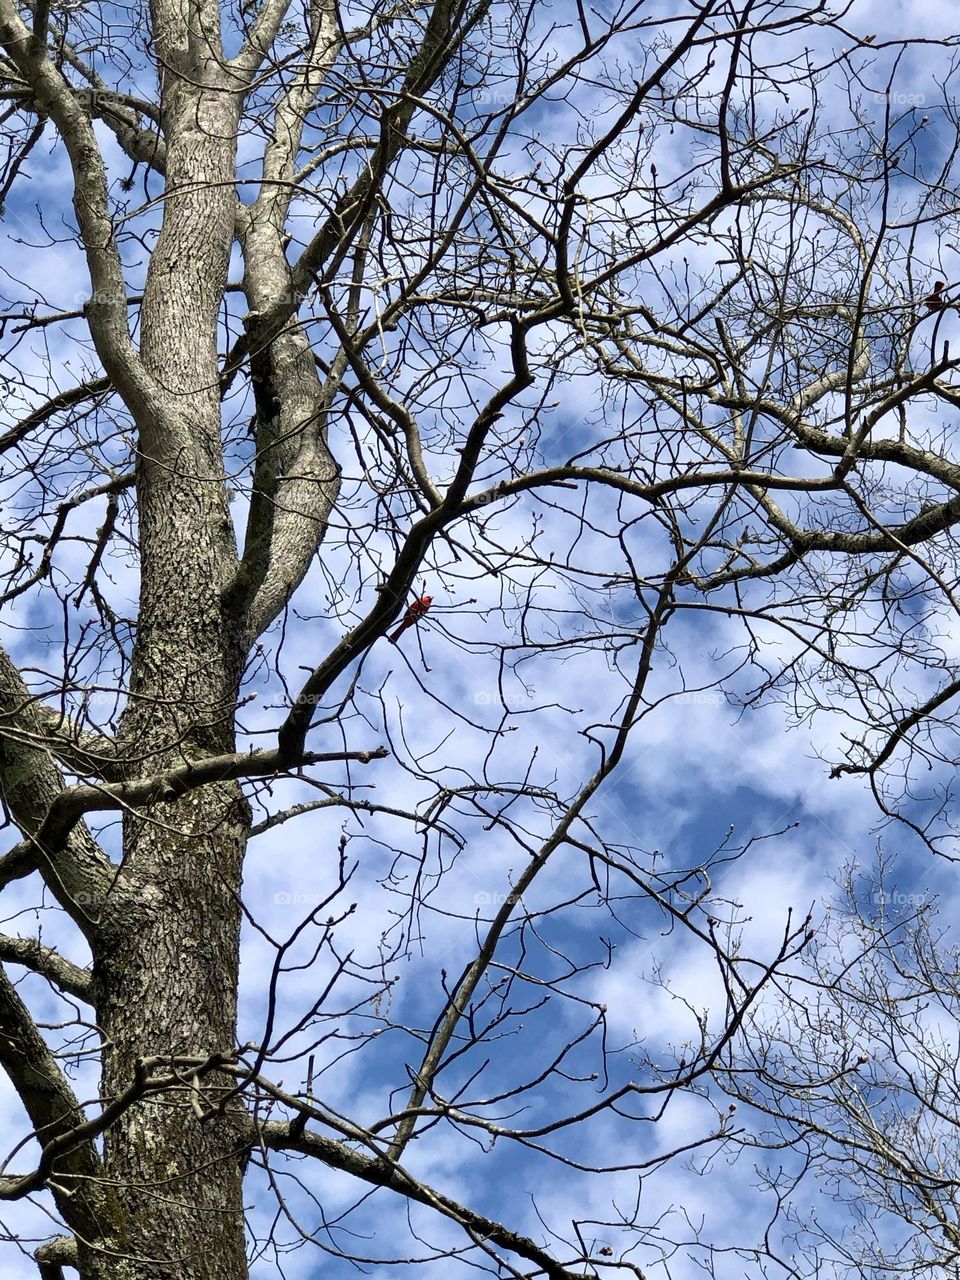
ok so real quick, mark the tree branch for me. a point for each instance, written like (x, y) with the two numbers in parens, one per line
(71, 804)
(57, 1119)
(378, 1171)
(56, 1254)
(65, 400)
(32, 786)
(49, 963)
(106, 312)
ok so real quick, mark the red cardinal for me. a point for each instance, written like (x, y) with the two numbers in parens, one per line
(413, 615)
(935, 301)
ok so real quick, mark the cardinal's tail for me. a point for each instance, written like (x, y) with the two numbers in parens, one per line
(395, 635)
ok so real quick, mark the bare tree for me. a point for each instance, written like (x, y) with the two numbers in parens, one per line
(851, 1081)
(388, 303)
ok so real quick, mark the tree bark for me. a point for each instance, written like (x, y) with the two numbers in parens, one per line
(167, 957)
(165, 981)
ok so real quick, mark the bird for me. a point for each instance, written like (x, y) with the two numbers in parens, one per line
(413, 615)
(935, 301)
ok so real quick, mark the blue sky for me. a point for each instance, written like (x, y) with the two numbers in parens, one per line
(702, 778)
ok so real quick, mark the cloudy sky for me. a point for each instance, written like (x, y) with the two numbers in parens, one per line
(711, 781)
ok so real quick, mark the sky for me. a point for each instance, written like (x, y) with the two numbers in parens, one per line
(740, 792)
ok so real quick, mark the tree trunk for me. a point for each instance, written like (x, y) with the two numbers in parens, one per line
(167, 959)
(166, 980)
(167, 962)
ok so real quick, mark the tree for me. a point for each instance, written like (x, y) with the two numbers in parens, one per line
(409, 299)
(850, 1079)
